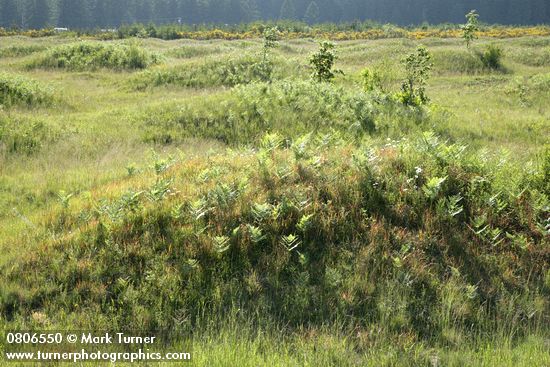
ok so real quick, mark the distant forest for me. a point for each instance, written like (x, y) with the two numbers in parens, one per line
(77, 14)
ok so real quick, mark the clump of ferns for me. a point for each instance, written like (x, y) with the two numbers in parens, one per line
(263, 212)
(445, 155)
(130, 202)
(485, 232)
(270, 142)
(266, 169)
(255, 234)
(311, 169)
(290, 206)
(221, 244)
(309, 145)
(269, 170)
(161, 165)
(223, 196)
(302, 147)
(210, 173)
(63, 219)
(365, 160)
(290, 242)
(198, 212)
(332, 138)
(161, 190)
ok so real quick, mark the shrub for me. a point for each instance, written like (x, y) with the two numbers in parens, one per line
(264, 68)
(491, 57)
(18, 90)
(371, 80)
(417, 66)
(530, 89)
(24, 135)
(95, 55)
(322, 63)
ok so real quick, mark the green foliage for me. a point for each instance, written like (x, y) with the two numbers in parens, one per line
(491, 57)
(19, 90)
(188, 52)
(214, 72)
(94, 55)
(371, 80)
(20, 50)
(530, 90)
(322, 63)
(25, 136)
(470, 28)
(289, 107)
(297, 261)
(458, 61)
(210, 73)
(264, 68)
(343, 226)
(538, 57)
(418, 66)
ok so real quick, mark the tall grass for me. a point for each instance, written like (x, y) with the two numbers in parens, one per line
(95, 55)
(343, 236)
(307, 235)
(19, 90)
(203, 74)
(25, 135)
(20, 50)
(453, 61)
(288, 107)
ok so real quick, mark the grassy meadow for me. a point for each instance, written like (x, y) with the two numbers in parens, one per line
(150, 185)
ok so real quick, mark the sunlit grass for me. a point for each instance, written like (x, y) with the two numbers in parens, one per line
(99, 137)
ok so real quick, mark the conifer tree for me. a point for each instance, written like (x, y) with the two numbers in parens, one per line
(38, 14)
(288, 10)
(10, 14)
(312, 13)
(73, 14)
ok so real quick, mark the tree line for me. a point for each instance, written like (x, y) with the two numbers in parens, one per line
(77, 14)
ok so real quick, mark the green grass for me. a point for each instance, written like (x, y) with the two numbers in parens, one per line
(18, 90)
(173, 193)
(20, 50)
(202, 74)
(94, 55)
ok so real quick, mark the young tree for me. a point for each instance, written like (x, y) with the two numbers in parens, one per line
(288, 10)
(417, 65)
(189, 11)
(73, 13)
(39, 14)
(312, 13)
(470, 28)
(234, 12)
(10, 14)
(322, 62)
(144, 11)
(264, 68)
(250, 10)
